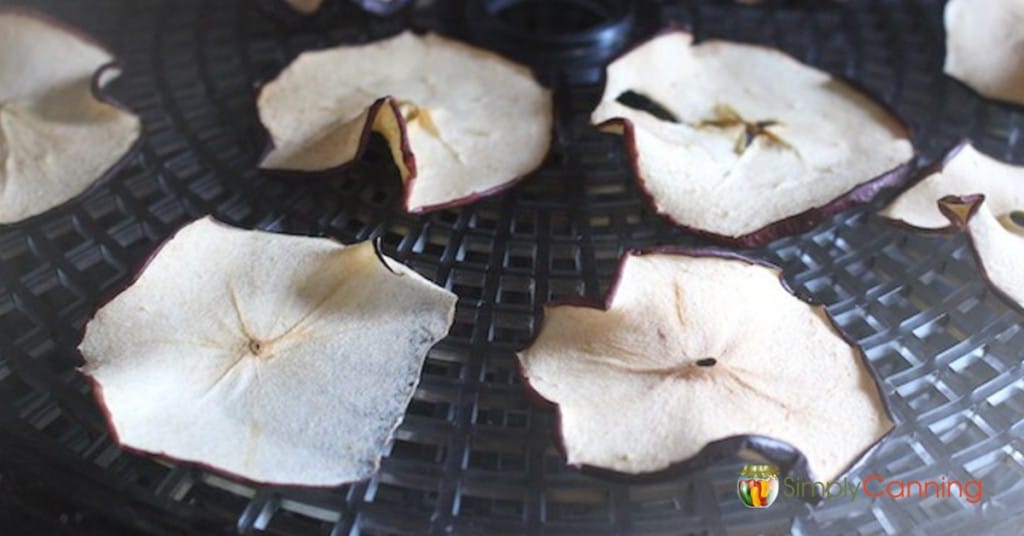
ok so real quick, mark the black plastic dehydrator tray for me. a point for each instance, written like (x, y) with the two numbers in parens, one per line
(474, 455)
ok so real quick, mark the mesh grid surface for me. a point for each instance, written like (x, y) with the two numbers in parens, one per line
(474, 455)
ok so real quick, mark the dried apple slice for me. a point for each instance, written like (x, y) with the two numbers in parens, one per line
(744, 144)
(461, 122)
(997, 242)
(276, 358)
(985, 46)
(695, 350)
(952, 191)
(962, 171)
(57, 136)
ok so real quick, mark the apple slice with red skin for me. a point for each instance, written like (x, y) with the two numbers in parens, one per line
(969, 191)
(997, 242)
(461, 122)
(696, 354)
(748, 144)
(272, 358)
(962, 171)
(58, 134)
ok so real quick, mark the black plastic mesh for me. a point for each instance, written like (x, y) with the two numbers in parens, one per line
(473, 455)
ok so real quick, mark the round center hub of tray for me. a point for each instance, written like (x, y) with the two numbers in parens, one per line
(569, 38)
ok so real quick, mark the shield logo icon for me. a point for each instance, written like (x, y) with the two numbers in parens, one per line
(758, 485)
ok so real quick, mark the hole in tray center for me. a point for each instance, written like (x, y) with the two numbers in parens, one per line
(556, 17)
